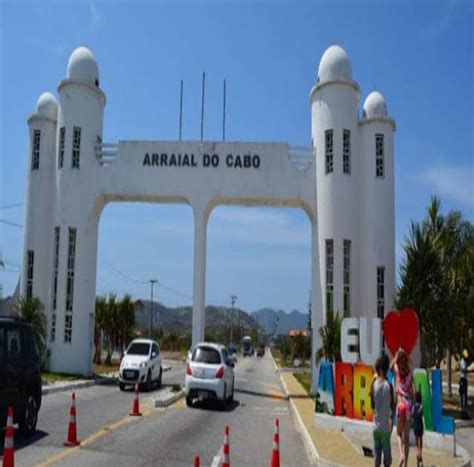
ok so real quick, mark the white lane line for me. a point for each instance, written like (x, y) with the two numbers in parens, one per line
(216, 461)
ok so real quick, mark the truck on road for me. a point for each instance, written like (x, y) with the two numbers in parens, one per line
(247, 345)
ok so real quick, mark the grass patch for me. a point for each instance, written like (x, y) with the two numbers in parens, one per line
(103, 368)
(49, 378)
(305, 380)
(176, 388)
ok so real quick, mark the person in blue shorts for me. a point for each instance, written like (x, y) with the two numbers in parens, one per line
(418, 428)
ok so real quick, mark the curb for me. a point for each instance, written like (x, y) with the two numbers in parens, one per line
(45, 390)
(171, 400)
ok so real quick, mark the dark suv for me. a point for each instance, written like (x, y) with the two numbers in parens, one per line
(20, 376)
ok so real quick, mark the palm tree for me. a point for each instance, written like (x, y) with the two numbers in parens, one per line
(32, 311)
(126, 318)
(437, 279)
(99, 327)
(331, 337)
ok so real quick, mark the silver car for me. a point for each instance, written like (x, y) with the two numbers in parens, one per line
(209, 374)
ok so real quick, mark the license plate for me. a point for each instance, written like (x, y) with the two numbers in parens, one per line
(129, 374)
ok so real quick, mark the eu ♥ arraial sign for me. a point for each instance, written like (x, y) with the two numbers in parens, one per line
(400, 329)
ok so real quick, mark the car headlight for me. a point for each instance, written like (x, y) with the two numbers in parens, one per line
(142, 364)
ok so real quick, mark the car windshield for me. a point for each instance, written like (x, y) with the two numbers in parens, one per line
(206, 355)
(139, 348)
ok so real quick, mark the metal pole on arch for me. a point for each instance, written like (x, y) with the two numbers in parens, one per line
(202, 104)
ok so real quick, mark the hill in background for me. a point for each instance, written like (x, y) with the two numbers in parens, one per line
(179, 319)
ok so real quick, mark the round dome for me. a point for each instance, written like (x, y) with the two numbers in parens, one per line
(82, 66)
(47, 106)
(335, 65)
(374, 106)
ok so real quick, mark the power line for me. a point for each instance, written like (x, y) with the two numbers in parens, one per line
(13, 224)
(10, 206)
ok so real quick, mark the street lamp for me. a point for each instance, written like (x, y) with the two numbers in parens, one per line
(152, 283)
(233, 299)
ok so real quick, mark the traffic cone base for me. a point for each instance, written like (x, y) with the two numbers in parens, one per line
(9, 450)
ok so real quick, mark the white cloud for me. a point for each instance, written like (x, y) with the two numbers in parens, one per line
(259, 226)
(456, 183)
(94, 14)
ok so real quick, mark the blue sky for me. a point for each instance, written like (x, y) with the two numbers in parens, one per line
(419, 54)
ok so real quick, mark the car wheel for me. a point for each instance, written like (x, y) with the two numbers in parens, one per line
(27, 423)
(189, 401)
(149, 383)
(223, 402)
(121, 386)
(231, 397)
(160, 378)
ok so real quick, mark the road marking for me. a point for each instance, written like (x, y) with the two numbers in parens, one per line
(95, 436)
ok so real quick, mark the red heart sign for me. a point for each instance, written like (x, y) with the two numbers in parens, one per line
(401, 330)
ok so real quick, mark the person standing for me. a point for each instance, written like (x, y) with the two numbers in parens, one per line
(418, 428)
(404, 392)
(383, 403)
(463, 386)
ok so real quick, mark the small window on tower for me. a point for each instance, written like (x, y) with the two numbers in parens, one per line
(329, 274)
(62, 141)
(35, 150)
(30, 258)
(379, 156)
(347, 276)
(329, 151)
(76, 147)
(346, 151)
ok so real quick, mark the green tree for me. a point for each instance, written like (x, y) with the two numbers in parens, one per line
(126, 322)
(437, 281)
(331, 337)
(32, 311)
(99, 327)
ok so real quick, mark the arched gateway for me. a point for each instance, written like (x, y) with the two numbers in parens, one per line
(344, 183)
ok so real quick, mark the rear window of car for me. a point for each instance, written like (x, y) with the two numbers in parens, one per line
(206, 355)
(139, 348)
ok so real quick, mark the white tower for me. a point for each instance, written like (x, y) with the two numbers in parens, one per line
(80, 121)
(334, 101)
(377, 215)
(37, 239)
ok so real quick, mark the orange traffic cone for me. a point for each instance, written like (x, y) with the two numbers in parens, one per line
(197, 461)
(8, 450)
(275, 462)
(136, 404)
(72, 430)
(226, 449)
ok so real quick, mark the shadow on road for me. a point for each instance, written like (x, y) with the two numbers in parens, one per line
(274, 395)
(213, 406)
(22, 441)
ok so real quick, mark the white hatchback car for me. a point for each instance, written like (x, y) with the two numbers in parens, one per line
(209, 374)
(141, 364)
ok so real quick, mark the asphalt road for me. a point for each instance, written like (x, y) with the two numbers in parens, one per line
(170, 436)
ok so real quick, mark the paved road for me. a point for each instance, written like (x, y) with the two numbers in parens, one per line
(171, 436)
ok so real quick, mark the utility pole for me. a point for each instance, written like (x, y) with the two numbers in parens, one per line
(152, 283)
(233, 299)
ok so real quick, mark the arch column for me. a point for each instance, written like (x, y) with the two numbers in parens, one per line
(201, 216)
(318, 314)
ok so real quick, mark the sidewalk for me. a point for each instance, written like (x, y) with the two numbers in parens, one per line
(337, 448)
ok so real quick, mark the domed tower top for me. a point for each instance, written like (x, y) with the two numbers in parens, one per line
(335, 65)
(47, 106)
(374, 106)
(82, 66)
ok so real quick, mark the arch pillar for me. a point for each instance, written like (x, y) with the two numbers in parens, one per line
(318, 314)
(201, 216)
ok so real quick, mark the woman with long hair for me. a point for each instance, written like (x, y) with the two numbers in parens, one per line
(404, 391)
